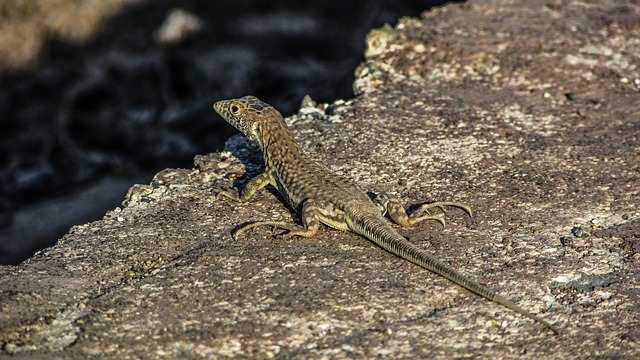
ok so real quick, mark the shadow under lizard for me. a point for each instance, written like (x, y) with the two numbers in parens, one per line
(319, 196)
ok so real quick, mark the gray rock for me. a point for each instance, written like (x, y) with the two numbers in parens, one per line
(468, 104)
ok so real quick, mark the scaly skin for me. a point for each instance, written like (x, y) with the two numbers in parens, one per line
(322, 197)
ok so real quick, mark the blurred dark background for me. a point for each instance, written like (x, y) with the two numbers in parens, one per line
(100, 94)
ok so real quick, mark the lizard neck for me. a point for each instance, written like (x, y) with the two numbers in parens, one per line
(278, 145)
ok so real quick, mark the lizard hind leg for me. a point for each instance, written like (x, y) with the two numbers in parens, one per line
(311, 213)
(289, 227)
(399, 215)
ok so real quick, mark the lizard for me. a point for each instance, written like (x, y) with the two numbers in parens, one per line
(321, 197)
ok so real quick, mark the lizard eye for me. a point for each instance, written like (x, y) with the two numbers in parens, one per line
(235, 109)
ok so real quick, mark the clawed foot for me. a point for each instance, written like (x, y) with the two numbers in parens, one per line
(397, 212)
(288, 230)
(424, 208)
(230, 193)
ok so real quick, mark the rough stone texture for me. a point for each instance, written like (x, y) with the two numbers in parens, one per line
(527, 111)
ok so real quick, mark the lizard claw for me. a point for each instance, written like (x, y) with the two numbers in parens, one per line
(437, 217)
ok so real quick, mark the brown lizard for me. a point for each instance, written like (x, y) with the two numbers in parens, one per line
(322, 197)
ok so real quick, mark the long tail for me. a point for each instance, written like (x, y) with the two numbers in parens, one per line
(387, 238)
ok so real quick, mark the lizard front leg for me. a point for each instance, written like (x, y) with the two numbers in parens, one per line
(399, 215)
(313, 213)
(245, 194)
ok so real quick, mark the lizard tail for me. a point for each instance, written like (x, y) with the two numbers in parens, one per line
(387, 238)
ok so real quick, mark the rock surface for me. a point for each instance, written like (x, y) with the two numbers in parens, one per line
(527, 111)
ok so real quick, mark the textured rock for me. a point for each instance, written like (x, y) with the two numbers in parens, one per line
(527, 111)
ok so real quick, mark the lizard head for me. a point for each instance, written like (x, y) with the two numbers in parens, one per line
(247, 114)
